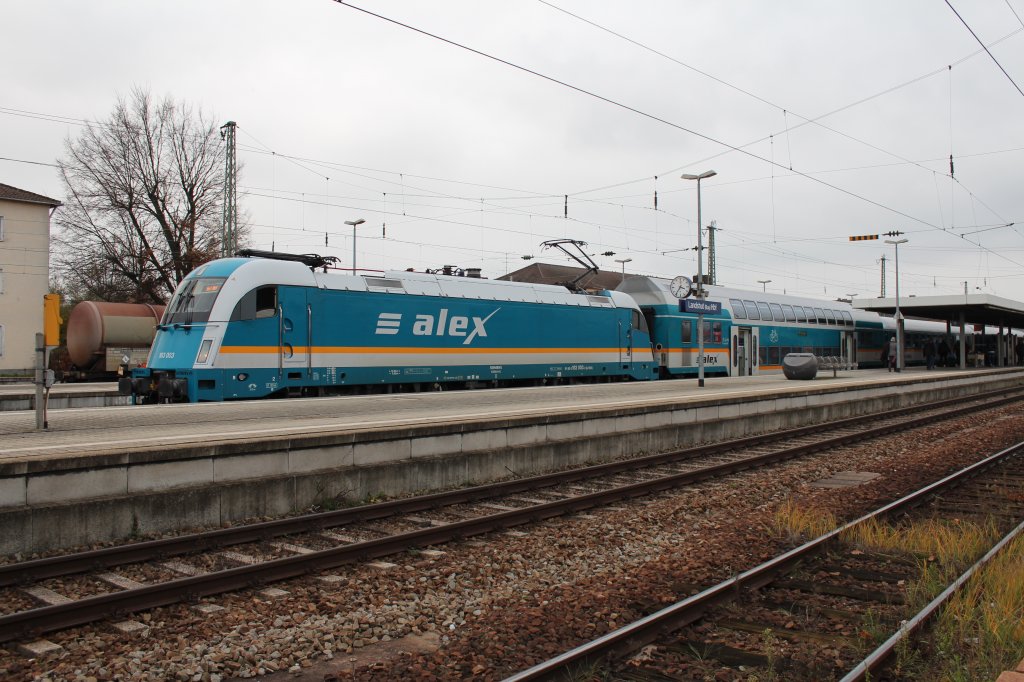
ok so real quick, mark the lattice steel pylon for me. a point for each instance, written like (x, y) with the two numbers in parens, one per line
(882, 261)
(712, 270)
(229, 221)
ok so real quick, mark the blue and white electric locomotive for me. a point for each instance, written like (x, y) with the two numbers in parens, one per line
(254, 327)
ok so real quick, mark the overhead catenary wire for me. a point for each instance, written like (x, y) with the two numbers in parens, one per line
(985, 47)
(658, 119)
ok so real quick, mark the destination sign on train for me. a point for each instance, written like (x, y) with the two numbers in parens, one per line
(697, 305)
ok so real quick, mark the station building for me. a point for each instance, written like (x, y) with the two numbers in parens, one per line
(24, 275)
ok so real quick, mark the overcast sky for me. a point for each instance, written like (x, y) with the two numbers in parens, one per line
(467, 160)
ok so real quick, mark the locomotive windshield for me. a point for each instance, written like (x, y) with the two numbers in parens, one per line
(194, 301)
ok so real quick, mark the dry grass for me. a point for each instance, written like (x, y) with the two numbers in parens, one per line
(980, 632)
(800, 523)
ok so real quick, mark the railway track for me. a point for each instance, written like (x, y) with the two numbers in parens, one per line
(826, 596)
(80, 588)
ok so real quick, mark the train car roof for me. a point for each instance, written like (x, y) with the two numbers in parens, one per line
(654, 291)
(247, 273)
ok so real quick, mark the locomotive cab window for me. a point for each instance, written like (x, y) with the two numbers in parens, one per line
(194, 301)
(258, 303)
(639, 322)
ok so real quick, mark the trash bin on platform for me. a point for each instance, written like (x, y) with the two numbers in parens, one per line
(800, 366)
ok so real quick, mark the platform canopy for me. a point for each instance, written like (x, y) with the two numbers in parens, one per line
(976, 308)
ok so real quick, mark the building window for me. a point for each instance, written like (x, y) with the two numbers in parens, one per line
(1, 340)
(1, 228)
(1, 280)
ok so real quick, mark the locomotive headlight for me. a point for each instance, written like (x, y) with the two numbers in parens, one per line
(204, 351)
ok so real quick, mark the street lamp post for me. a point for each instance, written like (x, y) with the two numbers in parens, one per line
(899, 320)
(764, 284)
(353, 223)
(623, 261)
(700, 276)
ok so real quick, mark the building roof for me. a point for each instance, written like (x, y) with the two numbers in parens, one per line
(9, 193)
(976, 308)
(546, 273)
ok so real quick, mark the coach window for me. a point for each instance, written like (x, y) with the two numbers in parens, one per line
(737, 309)
(716, 332)
(820, 314)
(847, 318)
(777, 312)
(831, 318)
(787, 310)
(687, 331)
(751, 309)
(766, 312)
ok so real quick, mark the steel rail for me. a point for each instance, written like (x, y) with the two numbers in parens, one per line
(43, 619)
(108, 557)
(639, 634)
(877, 660)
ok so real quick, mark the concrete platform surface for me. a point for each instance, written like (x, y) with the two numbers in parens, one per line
(21, 396)
(115, 472)
(85, 431)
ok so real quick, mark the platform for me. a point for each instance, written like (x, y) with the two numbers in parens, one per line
(22, 396)
(100, 473)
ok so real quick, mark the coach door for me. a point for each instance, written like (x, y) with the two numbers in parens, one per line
(744, 351)
(849, 349)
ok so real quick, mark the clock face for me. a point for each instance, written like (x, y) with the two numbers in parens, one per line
(680, 287)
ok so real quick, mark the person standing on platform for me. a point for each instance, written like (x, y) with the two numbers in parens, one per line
(929, 353)
(943, 353)
(892, 354)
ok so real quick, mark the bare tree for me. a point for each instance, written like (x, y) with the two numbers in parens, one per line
(143, 201)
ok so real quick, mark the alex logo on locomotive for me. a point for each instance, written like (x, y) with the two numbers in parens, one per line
(442, 325)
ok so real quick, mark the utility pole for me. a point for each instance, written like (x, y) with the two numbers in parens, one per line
(883, 277)
(711, 252)
(229, 221)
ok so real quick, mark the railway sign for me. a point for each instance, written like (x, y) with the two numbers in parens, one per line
(699, 305)
(862, 237)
